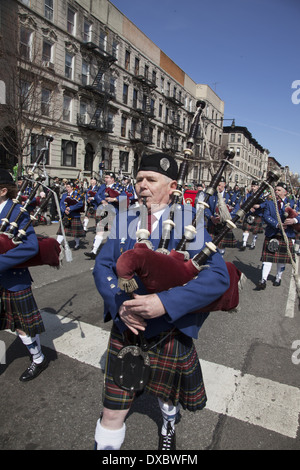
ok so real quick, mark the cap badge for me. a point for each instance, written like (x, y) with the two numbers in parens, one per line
(164, 164)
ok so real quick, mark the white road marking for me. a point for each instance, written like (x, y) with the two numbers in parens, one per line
(290, 305)
(254, 400)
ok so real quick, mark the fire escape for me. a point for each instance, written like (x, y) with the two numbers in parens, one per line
(172, 123)
(142, 111)
(99, 93)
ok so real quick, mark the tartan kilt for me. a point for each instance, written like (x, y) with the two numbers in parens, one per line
(175, 373)
(74, 230)
(19, 311)
(281, 256)
(228, 241)
(255, 228)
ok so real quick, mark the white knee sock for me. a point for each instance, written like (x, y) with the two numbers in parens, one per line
(245, 238)
(108, 439)
(266, 268)
(169, 412)
(34, 347)
(97, 242)
(77, 241)
(85, 223)
(280, 269)
(254, 239)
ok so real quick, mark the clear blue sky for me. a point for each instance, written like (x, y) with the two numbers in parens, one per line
(247, 51)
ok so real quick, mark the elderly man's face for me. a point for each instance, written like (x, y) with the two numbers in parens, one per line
(280, 192)
(156, 188)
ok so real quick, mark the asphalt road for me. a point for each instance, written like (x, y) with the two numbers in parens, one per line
(252, 377)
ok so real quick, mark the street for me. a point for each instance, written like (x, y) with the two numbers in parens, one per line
(249, 359)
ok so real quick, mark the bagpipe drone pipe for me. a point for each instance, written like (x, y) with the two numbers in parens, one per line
(159, 271)
(11, 235)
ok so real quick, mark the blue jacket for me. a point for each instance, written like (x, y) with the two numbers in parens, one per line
(16, 279)
(270, 217)
(75, 209)
(180, 301)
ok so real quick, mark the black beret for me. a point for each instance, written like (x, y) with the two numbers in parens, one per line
(222, 180)
(255, 183)
(110, 173)
(5, 177)
(160, 163)
(283, 185)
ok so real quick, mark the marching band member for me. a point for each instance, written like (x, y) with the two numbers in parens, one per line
(71, 206)
(274, 248)
(90, 203)
(18, 309)
(252, 221)
(164, 318)
(212, 214)
(107, 194)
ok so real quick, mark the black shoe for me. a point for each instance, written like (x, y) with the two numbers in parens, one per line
(252, 247)
(90, 255)
(262, 285)
(243, 248)
(277, 283)
(76, 247)
(33, 370)
(168, 442)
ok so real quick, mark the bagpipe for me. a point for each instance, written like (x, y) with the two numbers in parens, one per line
(290, 213)
(11, 235)
(161, 270)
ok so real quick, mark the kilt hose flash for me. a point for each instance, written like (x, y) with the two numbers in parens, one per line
(175, 373)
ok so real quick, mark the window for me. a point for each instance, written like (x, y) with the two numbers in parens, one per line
(112, 86)
(69, 66)
(154, 77)
(123, 126)
(125, 93)
(127, 60)
(115, 49)
(45, 102)
(232, 137)
(85, 73)
(67, 108)
(25, 43)
(134, 98)
(24, 95)
(136, 66)
(87, 31)
(71, 21)
(49, 9)
(47, 51)
(68, 149)
(124, 156)
(37, 142)
(103, 41)
(158, 139)
(83, 113)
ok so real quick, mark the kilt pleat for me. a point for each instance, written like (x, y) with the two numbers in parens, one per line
(175, 373)
(20, 311)
(280, 256)
(255, 228)
(228, 241)
(74, 230)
